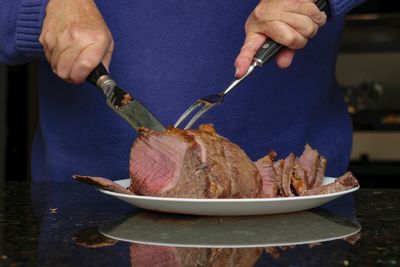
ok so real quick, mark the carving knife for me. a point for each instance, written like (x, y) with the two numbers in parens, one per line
(122, 103)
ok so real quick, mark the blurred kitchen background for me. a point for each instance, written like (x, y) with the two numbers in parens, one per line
(368, 72)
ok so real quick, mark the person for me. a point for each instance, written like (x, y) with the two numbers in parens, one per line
(167, 54)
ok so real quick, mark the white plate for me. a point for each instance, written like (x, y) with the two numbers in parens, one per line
(228, 207)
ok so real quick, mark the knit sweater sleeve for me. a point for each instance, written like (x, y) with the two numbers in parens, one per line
(20, 27)
(339, 8)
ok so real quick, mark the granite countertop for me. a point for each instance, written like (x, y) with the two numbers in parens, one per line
(72, 224)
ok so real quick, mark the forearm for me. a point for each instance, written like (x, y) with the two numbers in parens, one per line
(342, 7)
(20, 27)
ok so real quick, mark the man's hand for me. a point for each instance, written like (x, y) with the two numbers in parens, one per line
(75, 39)
(288, 22)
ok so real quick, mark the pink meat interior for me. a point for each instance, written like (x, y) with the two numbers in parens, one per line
(156, 164)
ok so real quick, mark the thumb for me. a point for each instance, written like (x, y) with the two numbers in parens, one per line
(107, 56)
(252, 43)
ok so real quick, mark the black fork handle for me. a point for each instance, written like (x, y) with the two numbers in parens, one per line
(271, 48)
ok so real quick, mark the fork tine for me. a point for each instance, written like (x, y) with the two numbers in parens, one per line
(187, 112)
(198, 115)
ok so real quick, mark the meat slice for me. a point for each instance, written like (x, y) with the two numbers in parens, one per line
(287, 174)
(278, 167)
(103, 183)
(298, 178)
(344, 182)
(269, 179)
(191, 164)
(322, 162)
(310, 162)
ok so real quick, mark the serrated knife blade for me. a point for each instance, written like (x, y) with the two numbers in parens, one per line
(122, 103)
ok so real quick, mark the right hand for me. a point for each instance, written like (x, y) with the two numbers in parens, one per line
(75, 39)
(288, 22)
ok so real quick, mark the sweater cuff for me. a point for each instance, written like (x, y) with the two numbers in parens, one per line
(29, 26)
(342, 7)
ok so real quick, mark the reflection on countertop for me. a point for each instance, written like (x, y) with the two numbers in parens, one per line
(60, 224)
(174, 240)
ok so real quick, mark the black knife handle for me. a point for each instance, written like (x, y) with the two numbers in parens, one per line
(271, 48)
(100, 78)
(95, 75)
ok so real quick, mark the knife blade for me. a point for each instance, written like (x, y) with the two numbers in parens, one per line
(122, 103)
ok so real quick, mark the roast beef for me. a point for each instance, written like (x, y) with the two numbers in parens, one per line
(298, 178)
(270, 183)
(202, 164)
(191, 164)
(286, 174)
(310, 162)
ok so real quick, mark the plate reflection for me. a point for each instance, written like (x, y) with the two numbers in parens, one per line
(176, 240)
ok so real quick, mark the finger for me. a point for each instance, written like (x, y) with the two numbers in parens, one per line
(309, 9)
(251, 45)
(301, 23)
(285, 58)
(62, 44)
(284, 34)
(66, 61)
(47, 40)
(88, 59)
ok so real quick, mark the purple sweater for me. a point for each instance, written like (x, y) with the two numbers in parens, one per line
(167, 54)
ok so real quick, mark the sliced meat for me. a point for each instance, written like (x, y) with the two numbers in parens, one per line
(278, 167)
(269, 179)
(344, 182)
(309, 160)
(191, 164)
(322, 162)
(298, 178)
(287, 174)
(103, 183)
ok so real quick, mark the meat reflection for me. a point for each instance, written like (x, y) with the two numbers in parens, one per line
(151, 255)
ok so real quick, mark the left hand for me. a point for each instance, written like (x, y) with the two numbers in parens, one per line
(288, 22)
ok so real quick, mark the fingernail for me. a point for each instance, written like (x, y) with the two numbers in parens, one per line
(237, 71)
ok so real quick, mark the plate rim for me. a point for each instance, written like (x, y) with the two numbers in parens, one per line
(229, 200)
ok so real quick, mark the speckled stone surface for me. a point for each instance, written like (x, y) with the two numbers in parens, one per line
(59, 224)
